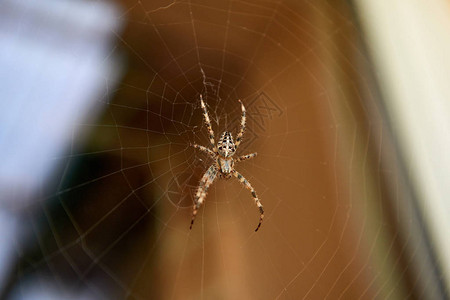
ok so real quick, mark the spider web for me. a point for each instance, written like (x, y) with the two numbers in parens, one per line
(116, 222)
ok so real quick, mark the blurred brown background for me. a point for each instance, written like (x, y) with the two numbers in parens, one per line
(326, 172)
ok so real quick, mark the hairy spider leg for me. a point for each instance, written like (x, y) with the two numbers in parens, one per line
(207, 179)
(248, 186)
(245, 157)
(241, 131)
(204, 149)
(208, 124)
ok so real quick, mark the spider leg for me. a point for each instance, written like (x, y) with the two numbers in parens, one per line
(204, 149)
(241, 131)
(207, 179)
(208, 124)
(248, 186)
(245, 157)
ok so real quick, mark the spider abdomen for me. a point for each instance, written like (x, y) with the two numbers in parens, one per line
(226, 146)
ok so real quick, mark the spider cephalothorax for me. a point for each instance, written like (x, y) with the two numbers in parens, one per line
(224, 163)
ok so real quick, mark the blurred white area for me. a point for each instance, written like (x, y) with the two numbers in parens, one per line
(55, 69)
(410, 43)
(47, 290)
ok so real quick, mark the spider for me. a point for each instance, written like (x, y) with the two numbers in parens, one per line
(223, 166)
